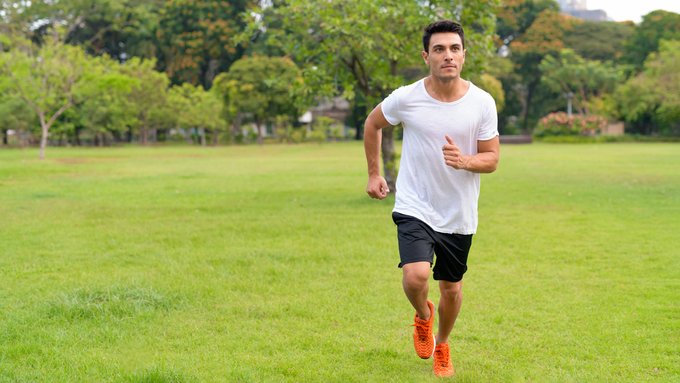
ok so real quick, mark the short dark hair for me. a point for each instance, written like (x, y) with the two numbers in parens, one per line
(440, 27)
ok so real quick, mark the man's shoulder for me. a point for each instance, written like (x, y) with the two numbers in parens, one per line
(406, 90)
(480, 93)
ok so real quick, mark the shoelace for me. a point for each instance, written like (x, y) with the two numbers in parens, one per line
(421, 329)
(443, 356)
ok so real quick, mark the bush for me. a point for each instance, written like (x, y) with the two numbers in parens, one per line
(560, 124)
(317, 136)
(606, 139)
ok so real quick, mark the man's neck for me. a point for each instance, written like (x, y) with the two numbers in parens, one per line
(446, 91)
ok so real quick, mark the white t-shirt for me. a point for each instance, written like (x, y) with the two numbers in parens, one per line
(428, 189)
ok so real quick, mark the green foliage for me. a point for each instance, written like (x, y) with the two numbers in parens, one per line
(262, 88)
(148, 97)
(323, 128)
(650, 101)
(196, 39)
(560, 124)
(195, 110)
(360, 49)
(544, 36)
(118, 28)
(46, 79)
(360, 45)
(530, 97)
(655, 26)
(494, 87)
(584, 79)
(599, 40)
(515, 17)
(630, 138)
(16, 115)
(103, 98)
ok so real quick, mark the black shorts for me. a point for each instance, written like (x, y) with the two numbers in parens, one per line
(419, 243)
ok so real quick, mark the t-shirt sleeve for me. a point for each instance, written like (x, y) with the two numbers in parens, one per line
(390, 108)
(489, 128)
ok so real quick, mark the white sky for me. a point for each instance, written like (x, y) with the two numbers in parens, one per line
(621, 10)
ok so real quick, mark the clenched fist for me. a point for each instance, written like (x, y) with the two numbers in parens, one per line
(453, 156)
(377, 187)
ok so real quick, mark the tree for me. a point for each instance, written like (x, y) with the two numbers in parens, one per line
(103, 99)
(147, 96)
(655, 26)
(585, 79)
(118, 28)
(263, 87)
(196, 39)
(45, 79)
(360, 48)
(650, 101)
(543, 38)
(195, 110)
(599, 40)
(14, 115)
(514, 17)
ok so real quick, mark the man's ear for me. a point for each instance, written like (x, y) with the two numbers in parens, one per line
(425, 56)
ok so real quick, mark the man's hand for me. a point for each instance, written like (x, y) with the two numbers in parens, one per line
(377, 187)
(453, 156)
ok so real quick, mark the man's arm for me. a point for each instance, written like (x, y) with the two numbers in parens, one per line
(485, 161)
(377, 187)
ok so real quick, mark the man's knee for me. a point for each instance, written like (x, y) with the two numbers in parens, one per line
(451, 290)
(416, 274)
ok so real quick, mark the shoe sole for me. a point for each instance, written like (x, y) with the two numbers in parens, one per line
(434, 342)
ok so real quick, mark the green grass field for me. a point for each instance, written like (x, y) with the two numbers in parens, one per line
(270, 264)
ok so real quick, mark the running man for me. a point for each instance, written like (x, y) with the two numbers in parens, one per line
(450, 136)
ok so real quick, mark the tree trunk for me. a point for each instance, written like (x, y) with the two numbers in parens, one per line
(4, 133)
(43, 138)
(201, 133)
(77, 136)
(143, 135)
(210, 73)
(527, 110)
(260, 138)
(236, 127)
(389, 162)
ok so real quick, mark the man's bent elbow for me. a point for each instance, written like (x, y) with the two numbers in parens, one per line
(492, 165)
(495, 165)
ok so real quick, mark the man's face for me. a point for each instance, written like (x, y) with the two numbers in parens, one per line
(446, 55)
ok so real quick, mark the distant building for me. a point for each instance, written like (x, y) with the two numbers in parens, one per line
(573, 5)
(579, 9)
(590, 14)
(337, 108)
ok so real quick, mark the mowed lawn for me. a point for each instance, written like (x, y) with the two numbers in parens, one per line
(270, 264)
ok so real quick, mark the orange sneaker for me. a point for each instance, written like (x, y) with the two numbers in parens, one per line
(423, 338)
(442, 361)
